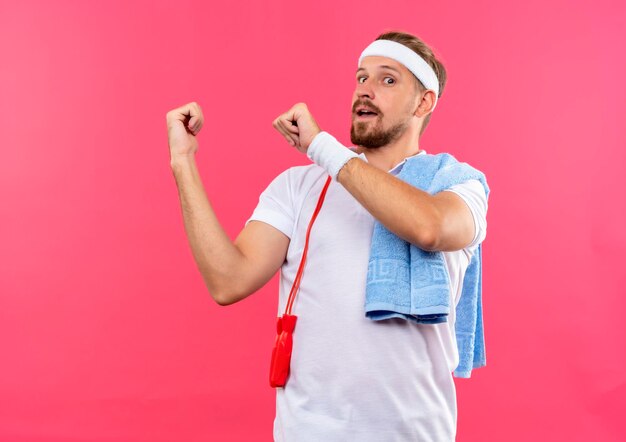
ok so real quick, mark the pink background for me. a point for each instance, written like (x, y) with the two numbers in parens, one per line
(107, 332)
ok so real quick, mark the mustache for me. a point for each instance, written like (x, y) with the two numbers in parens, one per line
(364, 103)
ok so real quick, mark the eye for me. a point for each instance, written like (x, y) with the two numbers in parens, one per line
(359, 79)
(390, 78)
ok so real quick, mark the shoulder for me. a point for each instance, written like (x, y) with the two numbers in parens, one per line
(473, 194)
(434, 165)
(306, 171)
(451, 171)
(441, 158)
(470, 187)
(295, 174)
(296, 181)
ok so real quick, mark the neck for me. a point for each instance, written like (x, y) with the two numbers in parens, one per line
(387, 156)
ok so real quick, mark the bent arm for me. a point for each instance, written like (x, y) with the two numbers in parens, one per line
(231, 270)
(440, 222)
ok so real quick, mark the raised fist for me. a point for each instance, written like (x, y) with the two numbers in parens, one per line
(297, 126)
(183, 124)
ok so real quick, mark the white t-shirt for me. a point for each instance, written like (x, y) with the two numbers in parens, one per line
(352, 378)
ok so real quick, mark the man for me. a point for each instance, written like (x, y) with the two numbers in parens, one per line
(351, 378)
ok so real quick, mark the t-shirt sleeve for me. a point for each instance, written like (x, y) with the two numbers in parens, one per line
(275, 206)
(473, 193)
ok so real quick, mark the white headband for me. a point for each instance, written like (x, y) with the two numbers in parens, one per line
(409, 58)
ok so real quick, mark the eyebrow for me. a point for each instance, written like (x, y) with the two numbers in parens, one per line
(382, 66)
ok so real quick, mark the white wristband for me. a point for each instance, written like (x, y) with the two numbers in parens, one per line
(330, 154)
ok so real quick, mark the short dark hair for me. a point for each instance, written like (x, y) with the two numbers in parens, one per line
(424, 51)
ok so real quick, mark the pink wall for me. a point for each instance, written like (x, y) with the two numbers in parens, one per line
(106, 329)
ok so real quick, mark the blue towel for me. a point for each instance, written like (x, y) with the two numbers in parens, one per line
(404, 281)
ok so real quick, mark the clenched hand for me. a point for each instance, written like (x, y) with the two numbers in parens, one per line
(183, 124)
(297, 126)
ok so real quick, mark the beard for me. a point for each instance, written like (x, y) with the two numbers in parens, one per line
(371, 134)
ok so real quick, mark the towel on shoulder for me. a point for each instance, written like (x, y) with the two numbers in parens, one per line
(404, 281)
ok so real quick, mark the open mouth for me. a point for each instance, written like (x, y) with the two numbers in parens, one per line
(365, 114)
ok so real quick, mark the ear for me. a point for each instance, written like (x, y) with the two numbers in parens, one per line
(425, 104)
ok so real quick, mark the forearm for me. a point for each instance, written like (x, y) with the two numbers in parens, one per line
(215, 254)
(405, 210)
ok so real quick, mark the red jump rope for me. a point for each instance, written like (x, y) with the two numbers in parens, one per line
(285, 324)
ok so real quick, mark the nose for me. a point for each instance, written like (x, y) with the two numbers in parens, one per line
(364, 90)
